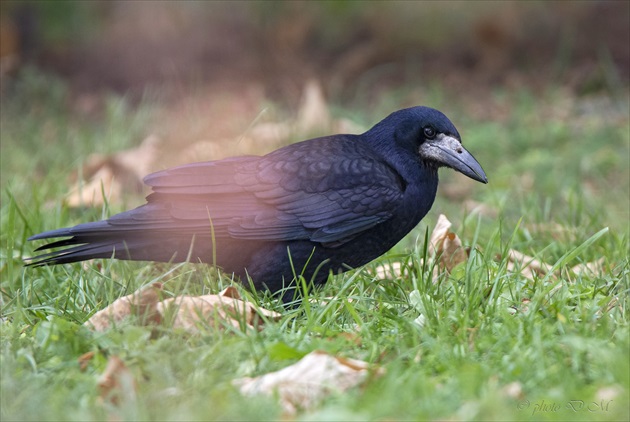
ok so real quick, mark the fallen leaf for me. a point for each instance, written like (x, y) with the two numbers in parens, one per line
(84, 359)
(594, 268)
(142, 303)
(390, 270)
(529, 267)
(116, 384)
(307, 382)
(446, 246)
(313, 115)
(186, 312)
(556, 230)
(230, 291)
(191, 312)
(139, 160)
(101, 185)
(108, 177)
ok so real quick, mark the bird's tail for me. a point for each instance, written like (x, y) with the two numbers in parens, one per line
(101, 240)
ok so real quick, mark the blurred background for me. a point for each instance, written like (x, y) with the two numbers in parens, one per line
(539, 90)
(356, 50)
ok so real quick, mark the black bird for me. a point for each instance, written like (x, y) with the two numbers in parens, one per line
(323, 205)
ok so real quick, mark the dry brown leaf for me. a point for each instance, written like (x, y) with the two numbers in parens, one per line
(101, 185)
(187, 312)
(313, 115)
(110, 176)
(555, 230)
(446, 246)
(191, 312)
(307, 382)
(524, 271)
(84, 359)
(142, 303)
(594, 268)
(390, 270)
(529, 267)
(230, 291)
(117, 383)
(140, 159)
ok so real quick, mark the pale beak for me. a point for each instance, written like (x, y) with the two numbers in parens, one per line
(449, 152)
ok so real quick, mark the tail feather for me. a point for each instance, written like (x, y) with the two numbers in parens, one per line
(77, 253)
(65, 232)
(92, 241)
(57, 244)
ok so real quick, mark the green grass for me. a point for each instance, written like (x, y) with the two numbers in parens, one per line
(555, 182)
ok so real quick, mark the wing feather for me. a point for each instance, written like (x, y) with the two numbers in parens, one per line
(329, 190)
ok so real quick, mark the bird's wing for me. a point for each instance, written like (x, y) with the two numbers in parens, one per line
(327, 190)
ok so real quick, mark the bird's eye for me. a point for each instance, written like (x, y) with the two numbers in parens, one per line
(429, 132)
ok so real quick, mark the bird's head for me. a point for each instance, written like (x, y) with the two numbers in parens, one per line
(429, 134)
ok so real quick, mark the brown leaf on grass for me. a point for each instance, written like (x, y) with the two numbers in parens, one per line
(191, 312)
(304, 384)
(111, 176)
(390, 270)
(553, 229)
(594, 268)
(528, 266)
(102, 184)
(117, 384)
(446, 246)
(85, 359)
(142, 303)
(187, 312)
